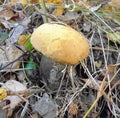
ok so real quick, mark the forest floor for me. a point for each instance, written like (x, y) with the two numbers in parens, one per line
(34, 86)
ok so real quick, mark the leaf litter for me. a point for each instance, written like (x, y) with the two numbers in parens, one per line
(48, 91)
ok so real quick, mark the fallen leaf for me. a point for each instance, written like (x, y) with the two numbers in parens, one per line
(112, 10)
(8, 55)
(16, 33)
(25, 41)
(19, 29)
(7, 24)
(115, 4)
(57, 5)
(3, 93)
(14, 86)
(111, 68)
(34, 1)
(0, 2)
(58, 11)
(33, 116)
(7, 14)
(23, 2)
(46, 107)
(54, 1)
(73, 109)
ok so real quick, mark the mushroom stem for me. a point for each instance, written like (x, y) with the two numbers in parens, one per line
(71, 78)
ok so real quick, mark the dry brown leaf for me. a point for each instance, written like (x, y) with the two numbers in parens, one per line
(73, 109)
(23, 2)
(8, 55)
(115, 4)
(16, 33)
(0, 1)
(33, 116)
(7, 14)
(59, 8)
(111, 68)
(55, 1)
(112, 10)
(3, 93)
(46, 107)
(58, 11)
(23, 39)
(14, 100)
(34, 1)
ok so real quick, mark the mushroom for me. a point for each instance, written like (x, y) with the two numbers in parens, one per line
(61, 43)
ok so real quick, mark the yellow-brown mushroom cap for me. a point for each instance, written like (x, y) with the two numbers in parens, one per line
(60, 43)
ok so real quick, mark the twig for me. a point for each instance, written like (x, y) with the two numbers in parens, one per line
(63, 71)
(44, 8)
(71, 78)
